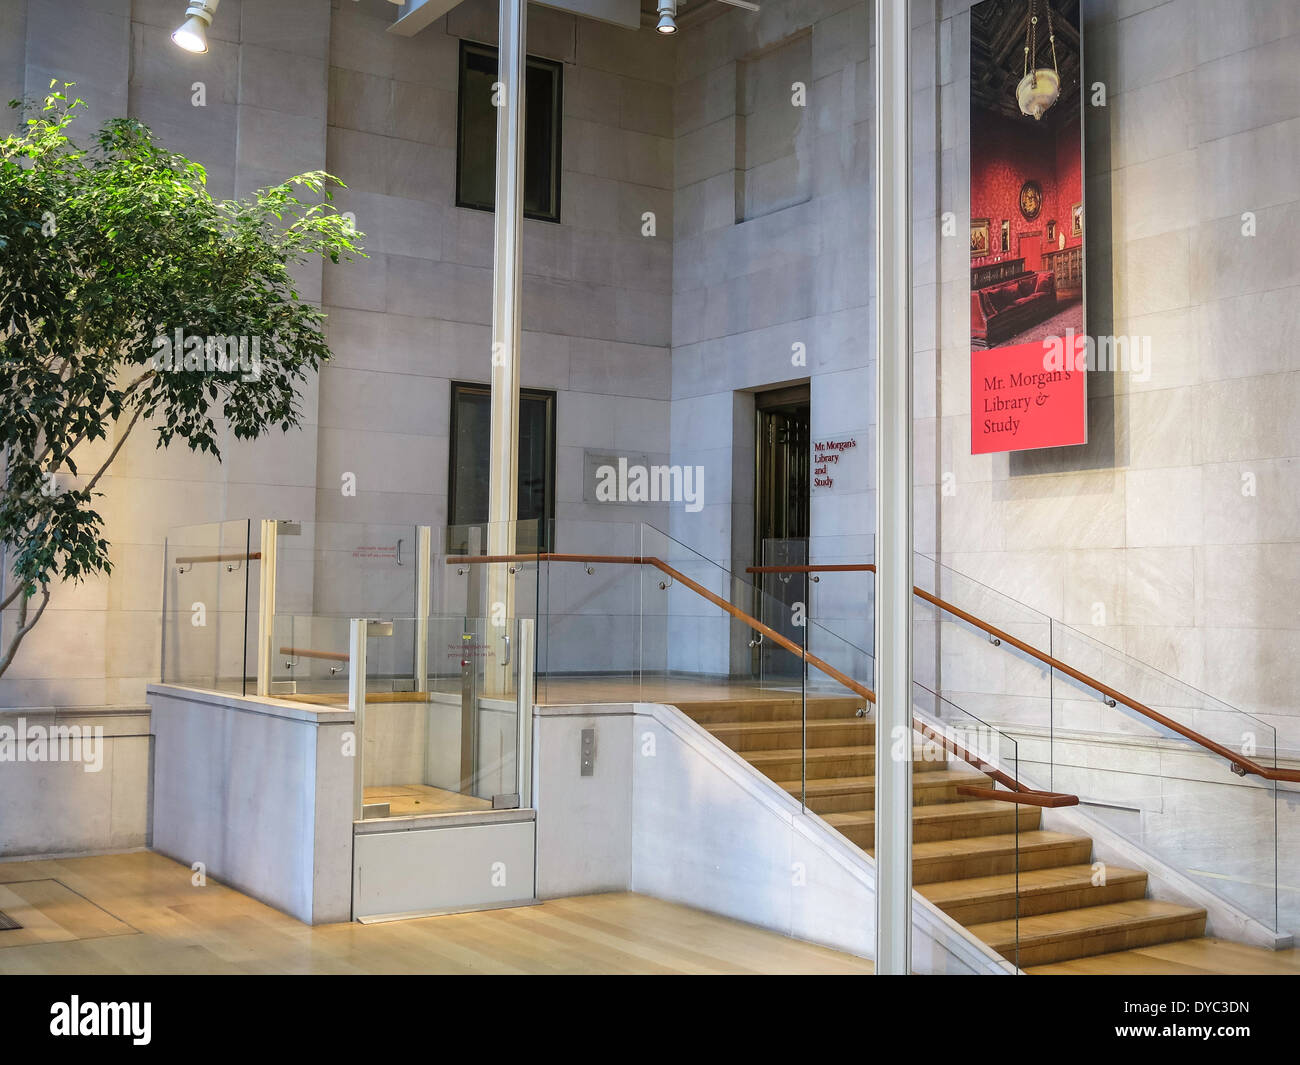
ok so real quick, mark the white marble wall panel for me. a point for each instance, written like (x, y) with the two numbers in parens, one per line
(101, 803)
(310, 84)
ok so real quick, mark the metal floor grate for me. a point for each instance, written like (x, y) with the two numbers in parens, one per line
(7, 923)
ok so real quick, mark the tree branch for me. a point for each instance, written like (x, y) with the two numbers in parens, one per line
(24, 627)
(8, 599)
(116, 448)
(126, 394)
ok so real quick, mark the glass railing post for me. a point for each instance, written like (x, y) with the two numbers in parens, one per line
(356, 704)
(423, 586)
(247, 524)
(1051, 708)
(266, 607)
(169, 608)
(527, 640)
(803, 703)
(468, 707)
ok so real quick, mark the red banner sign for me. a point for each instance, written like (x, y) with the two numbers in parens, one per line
(1026, 236)
(1017, 403)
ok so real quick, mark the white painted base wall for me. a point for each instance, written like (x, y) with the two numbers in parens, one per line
(260, 792)
(449, 865)
(670, 812)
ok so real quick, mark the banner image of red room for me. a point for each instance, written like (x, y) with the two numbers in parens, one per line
(1028, 385)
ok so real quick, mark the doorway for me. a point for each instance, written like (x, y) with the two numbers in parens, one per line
(1031, 250)
(783, 472)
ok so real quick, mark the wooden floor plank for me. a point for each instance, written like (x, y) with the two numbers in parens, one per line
(173, 927)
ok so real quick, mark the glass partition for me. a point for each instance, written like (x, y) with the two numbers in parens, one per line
(442, 714)
(489, 569)
(309, 659)
(449, 742)
(1177, 798)
(842, 600)
(209, 573)
(698, 625)
(953, 750)
(588, 596)
(342, 569)
(1163, 780)
(786, 598)
(984, 673)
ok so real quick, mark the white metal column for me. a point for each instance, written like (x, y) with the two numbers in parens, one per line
(893, 490)
(507, 311)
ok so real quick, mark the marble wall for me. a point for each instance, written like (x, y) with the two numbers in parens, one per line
(416, 314)
(96, 798)
(264, 120)
(1173, 536)
(301, 85)
(786, 294)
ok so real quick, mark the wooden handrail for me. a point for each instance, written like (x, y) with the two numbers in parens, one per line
(848, 682)
(241, 557)
(867, 566)
(1243, 763)
(307, 652)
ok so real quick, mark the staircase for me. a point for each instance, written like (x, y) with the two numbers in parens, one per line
(965, 851)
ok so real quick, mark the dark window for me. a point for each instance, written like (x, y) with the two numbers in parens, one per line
(476, 139)
(471, 407)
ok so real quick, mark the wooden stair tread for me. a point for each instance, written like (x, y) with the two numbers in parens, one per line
(998, 842)
(1031, 881)
(1028, 894)
(1064, 925)
(784, 754)
(821, 724)
(846, 785)
(1198, 956)
(945, 811)
(856, 750)
(776, 708)
(819, 734)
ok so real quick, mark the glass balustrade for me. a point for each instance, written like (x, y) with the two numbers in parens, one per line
(1160, 768)
(344, 569)
(448, 742)
(1155, 764)
(625, 611)
(952, 749)
(209, 573)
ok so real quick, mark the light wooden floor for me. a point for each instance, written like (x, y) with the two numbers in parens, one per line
(407, 799)
(138, 913)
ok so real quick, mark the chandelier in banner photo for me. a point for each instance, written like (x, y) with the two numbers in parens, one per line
(1040, 87)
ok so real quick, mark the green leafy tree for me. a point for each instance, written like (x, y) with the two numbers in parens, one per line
(106, 253)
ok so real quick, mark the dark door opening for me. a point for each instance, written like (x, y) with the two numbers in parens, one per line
(783, 472)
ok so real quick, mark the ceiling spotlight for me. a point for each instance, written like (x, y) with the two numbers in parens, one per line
(193, 34)
(666, 10)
